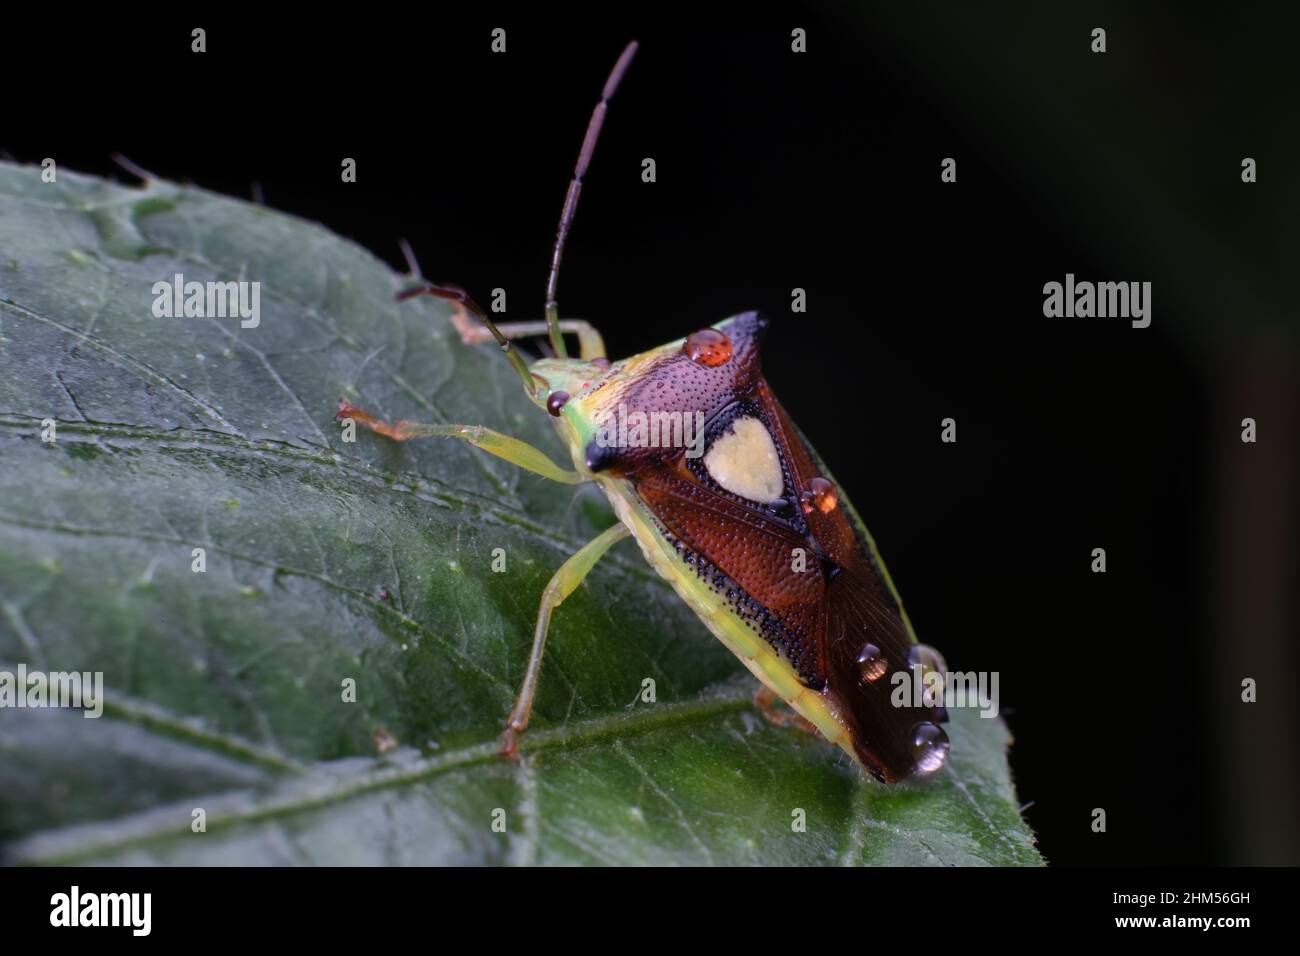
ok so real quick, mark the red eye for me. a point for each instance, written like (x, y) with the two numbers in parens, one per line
(707, 347)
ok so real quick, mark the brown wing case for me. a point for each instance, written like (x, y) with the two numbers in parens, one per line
(830, 614)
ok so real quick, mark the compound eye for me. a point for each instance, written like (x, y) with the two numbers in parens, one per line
(556, 401)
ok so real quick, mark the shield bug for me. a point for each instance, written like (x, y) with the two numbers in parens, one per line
(728, 502)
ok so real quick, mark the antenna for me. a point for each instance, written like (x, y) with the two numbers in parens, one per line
(461, 296)
(575, 188)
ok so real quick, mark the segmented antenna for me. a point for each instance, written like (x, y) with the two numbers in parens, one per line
(575, 188)
(461, 296)
(138, 171)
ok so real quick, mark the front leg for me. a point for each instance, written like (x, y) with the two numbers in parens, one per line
(494, 443)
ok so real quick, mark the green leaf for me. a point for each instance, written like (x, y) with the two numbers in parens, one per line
(372, 561)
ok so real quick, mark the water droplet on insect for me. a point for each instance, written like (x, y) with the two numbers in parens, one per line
(927, 657)
(820, 495)
(707, 347)
(871, 663)
(929, 748)
(555, 401)
(929, 661)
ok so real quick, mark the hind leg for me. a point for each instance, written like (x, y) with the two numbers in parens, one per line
(773, 711)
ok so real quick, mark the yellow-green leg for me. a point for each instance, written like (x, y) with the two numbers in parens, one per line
(561, 585)
(590, 344)
(494, 443)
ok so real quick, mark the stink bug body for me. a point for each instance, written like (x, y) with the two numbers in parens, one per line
(727, 502)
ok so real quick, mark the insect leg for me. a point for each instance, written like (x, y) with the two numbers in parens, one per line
(769, 705)
(463, 302)
(494, 443)
(561, 585)
(590, 343)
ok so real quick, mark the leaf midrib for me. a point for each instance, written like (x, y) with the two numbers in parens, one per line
(32, 849)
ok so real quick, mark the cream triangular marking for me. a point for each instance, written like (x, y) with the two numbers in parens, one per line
(744, 461)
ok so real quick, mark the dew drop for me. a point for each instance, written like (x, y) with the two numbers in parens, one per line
(929, 748)
(871, 663)
(707, 347)
(555, 401)
(820, 495)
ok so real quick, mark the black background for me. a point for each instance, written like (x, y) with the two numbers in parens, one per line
(821, 171)
(1078, 901)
